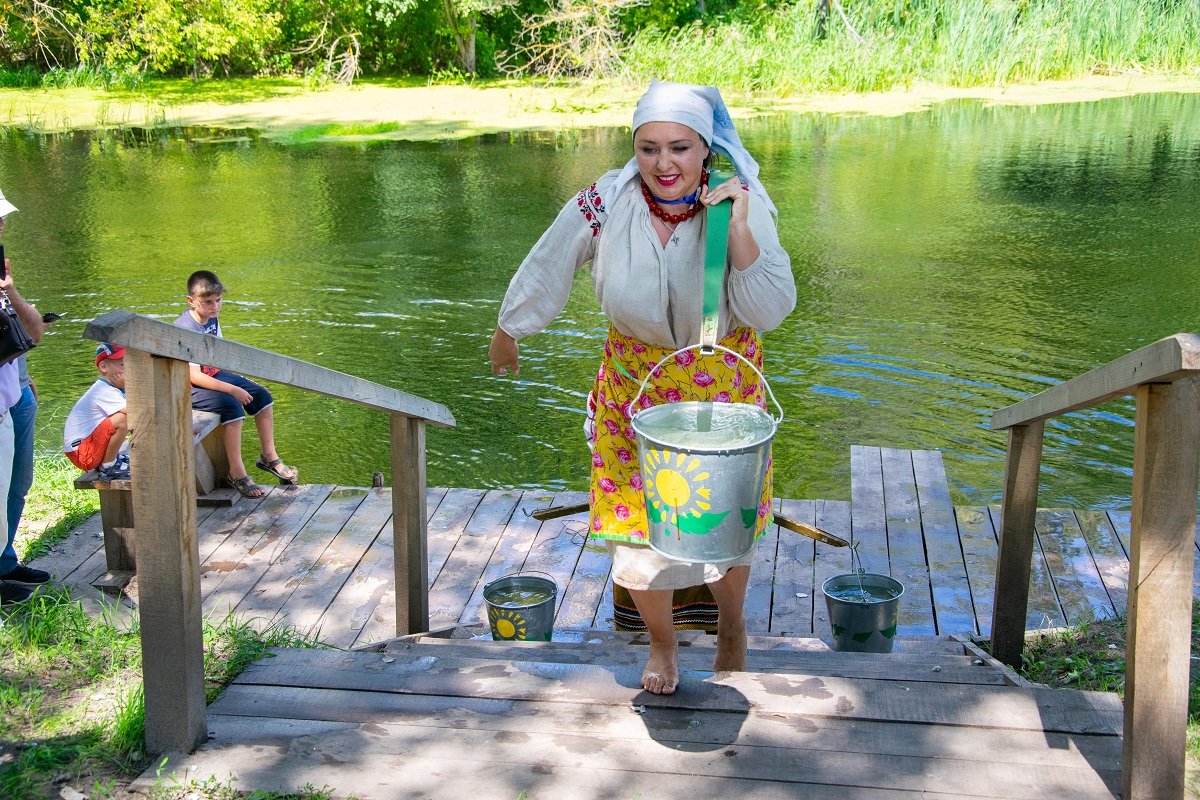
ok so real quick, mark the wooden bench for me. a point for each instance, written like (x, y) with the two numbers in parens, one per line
(116, 500)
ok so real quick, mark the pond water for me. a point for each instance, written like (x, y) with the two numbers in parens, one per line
(949, 262)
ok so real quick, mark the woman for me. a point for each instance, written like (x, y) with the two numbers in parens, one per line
(643, 229)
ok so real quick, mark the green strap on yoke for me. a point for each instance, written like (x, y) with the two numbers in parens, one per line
(716, 250)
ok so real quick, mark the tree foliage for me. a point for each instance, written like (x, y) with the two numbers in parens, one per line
(786, 44)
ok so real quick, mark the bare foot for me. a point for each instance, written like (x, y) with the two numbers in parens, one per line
(731, 647)
(661, 674)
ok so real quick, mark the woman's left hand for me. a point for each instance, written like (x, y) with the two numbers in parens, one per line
(732, 189)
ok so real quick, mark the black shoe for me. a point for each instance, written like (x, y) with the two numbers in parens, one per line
(11, 593)
(119, 471)
(24, 574)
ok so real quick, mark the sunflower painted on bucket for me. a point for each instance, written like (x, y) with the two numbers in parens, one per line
(678, 494)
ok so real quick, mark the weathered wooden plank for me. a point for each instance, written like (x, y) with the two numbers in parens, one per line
(217, 523)
(950, 586)
(163, 339)
(164, 504)
(589, 583)
(289, 570)
(430, 765)
(832, 516)
(762, 571)
(237, 565)
(791, 601)
(446, 524)
(410, 536)
(1010, 605)
(510, 551)
(1166, 360)
(396, 744)
(906, 550)
(65, 557)
(456, 580)
(1108, 555)
(556, 548)
(240, 708)
(1166, 461)
(1043, 609)
(420, 671)
(914, 668)
(1076, 579)
(1122, 526)
(321, 585)
(977, 538)
(365, 609)
(868, 520)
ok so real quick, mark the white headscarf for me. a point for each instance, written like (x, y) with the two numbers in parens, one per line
(701, 109)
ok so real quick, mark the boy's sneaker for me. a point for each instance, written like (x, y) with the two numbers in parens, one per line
(119, 471)
(24, 574)
(11, 593)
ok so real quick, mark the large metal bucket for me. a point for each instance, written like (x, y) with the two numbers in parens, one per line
(521, 607)
(703, 466)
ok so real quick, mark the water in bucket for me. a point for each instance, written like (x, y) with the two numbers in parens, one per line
(703, 466)
(521, 607)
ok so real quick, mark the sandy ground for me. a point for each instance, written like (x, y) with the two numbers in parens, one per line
(447, 112)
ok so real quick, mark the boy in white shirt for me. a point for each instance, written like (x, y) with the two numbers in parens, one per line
(94, 437)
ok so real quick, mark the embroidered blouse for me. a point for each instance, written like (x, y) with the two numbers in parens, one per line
(648, 291)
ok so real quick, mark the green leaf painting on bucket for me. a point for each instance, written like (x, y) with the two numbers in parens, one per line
(749, 517)
(702, 524)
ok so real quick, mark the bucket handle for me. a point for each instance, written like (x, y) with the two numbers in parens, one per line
(528, 572)
(634, 408)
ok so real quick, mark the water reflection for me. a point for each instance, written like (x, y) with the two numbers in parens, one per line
(948, 262)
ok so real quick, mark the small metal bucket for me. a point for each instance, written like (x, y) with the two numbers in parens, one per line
(703, 465)
(521, 607)
(863, 621)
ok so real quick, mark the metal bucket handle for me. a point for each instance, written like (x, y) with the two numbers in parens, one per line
(520, 572)
(642, 389)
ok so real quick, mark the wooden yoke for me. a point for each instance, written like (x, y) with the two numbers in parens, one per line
(162, 461)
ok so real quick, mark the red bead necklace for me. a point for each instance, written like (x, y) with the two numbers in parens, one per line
(675, 219)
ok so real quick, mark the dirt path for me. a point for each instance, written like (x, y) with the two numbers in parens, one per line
(446, 112)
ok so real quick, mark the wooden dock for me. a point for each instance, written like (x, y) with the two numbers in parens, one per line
(382, 718)
(314, 558)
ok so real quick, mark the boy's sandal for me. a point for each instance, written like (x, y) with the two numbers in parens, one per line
(246, 487)
(287, 475)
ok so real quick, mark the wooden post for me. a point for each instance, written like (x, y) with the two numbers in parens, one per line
(116, 519)
(164, 507)
(1011, 599)
(1157, 650)
(409, 524)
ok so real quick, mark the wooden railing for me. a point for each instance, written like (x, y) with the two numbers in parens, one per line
(158, 399)
(1165, 378)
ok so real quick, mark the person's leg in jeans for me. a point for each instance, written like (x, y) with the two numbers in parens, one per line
(23, 414)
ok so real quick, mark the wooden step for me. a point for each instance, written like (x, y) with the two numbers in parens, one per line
(459, 718)
(936, 668)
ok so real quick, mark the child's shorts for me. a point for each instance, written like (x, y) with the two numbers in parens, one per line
(229, 409)
(90, 453)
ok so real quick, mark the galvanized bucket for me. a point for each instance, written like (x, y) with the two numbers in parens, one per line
(703, 465)
(521, 607)
(863, 611)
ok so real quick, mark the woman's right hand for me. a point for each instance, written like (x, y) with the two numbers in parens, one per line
(503, 352)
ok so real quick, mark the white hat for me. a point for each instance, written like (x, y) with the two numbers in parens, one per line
(6, 207)
(702, 109)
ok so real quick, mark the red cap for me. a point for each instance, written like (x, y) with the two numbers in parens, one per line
(106, 350)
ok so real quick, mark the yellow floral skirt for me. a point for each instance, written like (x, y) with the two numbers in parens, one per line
(617, 502)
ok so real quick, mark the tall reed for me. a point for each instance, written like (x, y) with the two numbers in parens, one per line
(883, 44)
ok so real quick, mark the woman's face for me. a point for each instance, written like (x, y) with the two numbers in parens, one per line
(670, 158)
